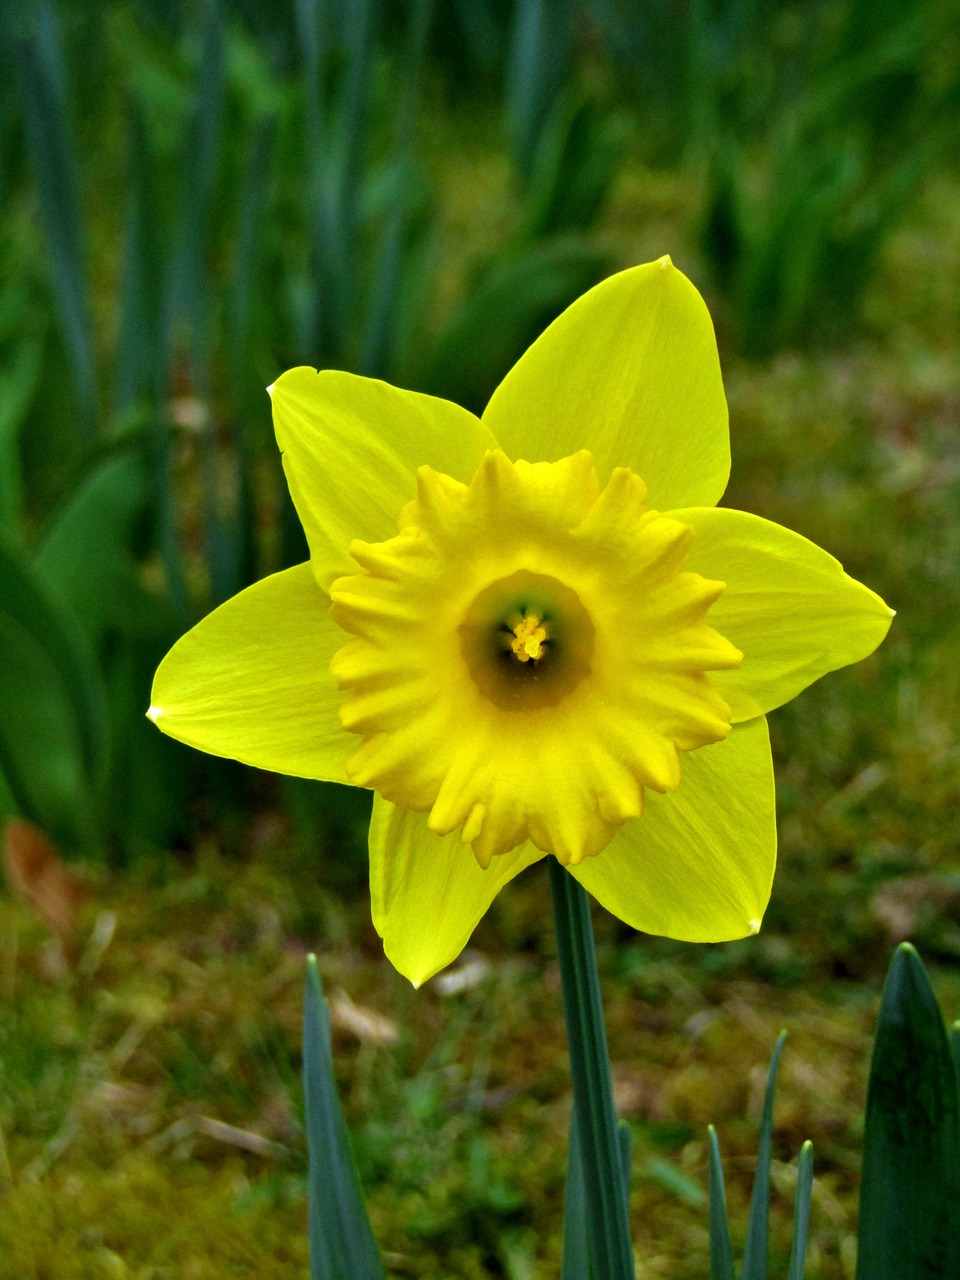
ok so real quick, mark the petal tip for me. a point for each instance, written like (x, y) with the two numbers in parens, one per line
(270, 389)
(754, 926)
(154, 713)
(665, 262)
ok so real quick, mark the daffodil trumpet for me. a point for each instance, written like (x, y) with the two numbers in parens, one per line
(531, 633)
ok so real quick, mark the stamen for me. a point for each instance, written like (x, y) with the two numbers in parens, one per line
(529, 638)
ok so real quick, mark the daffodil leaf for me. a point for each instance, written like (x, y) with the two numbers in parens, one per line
(801, 1212)
(53, 733)
(721, 1252)
(755, 1251)
(910, 1188)
(84, 550)
(342, 1246)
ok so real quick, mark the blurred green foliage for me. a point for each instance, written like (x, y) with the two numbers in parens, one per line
(198, 195)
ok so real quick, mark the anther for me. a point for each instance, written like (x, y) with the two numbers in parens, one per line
(529, 638)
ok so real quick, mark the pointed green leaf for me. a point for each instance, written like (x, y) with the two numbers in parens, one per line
(342, 1246)
(910, 1189)
(721, 1252)
(18, 382)
(84, 550)
(53, 739)
(755, 1251)
(801, 1212)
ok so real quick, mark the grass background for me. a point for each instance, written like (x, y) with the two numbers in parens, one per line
(150, 1110)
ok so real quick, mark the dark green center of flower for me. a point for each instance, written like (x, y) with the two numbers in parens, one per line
(527, 641)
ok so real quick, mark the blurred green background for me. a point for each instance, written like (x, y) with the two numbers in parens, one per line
(197, 196)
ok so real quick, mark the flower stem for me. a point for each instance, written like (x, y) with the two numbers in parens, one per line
(608, 1224)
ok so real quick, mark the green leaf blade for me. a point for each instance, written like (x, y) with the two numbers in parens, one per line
(755, 1251)
(53, 723)
(342, 1246)
(801, 1212)
(41, 75)
(721, 1252)
(910, 1190)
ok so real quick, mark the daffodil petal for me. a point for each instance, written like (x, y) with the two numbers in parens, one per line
(698, 864)
(629, 371)
(428, 892)
(788, 607)
(252, 681)
(351, 447)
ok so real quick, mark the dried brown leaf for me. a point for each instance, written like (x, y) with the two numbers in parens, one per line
(37, 873)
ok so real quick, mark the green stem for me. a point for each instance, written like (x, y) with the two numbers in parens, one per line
(608, 1225)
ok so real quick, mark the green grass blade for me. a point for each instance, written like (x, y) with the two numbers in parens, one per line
(335, 156)
(201, 154)
(955, 1047)
(247, 394)
(191, 305)
(721, 1252)
(247, 257)
(143, 344)
(342, 1246)
(755, 1250)
(142, 358)
(540, 55)
(376, 346)
(41, 76)
(801, 1212)
(910, 1189)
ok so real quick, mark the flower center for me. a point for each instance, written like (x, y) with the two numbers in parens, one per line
(529, 638)
(527, 641)
(527, 655)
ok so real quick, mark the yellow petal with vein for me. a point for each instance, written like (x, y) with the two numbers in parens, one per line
(351, 447)
(788, 607)
(629, 371)
(698, 864)
(252, 681)
(427, 891)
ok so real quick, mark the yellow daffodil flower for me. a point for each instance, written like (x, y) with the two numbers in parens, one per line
(532, 633)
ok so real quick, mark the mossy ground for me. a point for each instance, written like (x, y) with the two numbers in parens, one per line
(149, 1098)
